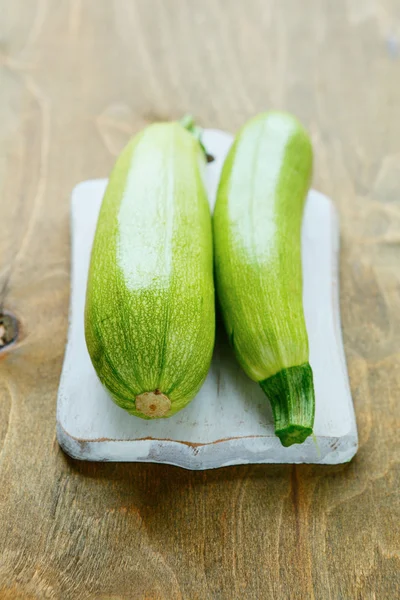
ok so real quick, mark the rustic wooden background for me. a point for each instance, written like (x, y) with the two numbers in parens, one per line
(77, 78)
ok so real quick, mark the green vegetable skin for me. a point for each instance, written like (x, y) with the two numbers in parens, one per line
(257, 228)
(149, 315)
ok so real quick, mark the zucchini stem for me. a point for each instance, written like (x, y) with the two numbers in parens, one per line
(189, 124)
(291, 393)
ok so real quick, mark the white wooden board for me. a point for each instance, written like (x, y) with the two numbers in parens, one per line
(230, 420)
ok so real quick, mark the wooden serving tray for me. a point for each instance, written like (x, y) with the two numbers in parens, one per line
(230, 420)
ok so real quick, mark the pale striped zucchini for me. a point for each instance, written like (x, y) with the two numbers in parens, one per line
(149, 316)
(257, 227)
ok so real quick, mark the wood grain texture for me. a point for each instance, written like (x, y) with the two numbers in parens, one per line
(77, 78)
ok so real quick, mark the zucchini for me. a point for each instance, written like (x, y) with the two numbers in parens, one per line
(149, 314)
(257, 245)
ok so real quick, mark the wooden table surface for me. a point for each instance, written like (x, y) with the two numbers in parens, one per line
(77, 78)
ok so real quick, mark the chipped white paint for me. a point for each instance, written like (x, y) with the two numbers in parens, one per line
(230, 421)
